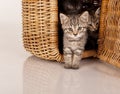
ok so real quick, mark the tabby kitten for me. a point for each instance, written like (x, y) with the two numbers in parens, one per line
(93, 30)
(75, 7)
(94, 20)
(67, 7)
(75, 37)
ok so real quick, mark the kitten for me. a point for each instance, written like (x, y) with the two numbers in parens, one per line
(75, 7)
(67, 7)
(93, 6)
(75, 37)
(93, 30)
(94, 20)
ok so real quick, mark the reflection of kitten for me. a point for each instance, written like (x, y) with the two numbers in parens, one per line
(75, 37)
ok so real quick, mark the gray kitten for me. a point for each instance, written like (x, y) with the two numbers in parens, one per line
(94, 20)
(93, 30)
(75, 37)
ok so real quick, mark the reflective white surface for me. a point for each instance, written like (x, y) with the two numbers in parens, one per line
(93, 77)
(21, 73)
(12, 54)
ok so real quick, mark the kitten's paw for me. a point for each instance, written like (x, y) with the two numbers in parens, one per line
(67, 66)
(75, 66)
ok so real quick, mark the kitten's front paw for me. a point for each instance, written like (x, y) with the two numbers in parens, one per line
(75, 66)
(67, 66)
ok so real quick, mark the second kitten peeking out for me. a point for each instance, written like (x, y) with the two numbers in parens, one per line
(93, 30)
(75, 37)
(94, 20)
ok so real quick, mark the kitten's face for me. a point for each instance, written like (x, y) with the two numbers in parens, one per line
(94, 21)
(74, 27)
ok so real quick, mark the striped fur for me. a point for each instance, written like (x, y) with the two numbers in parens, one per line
(75, 37)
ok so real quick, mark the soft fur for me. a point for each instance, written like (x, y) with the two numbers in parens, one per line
(93, 30)
(75, 37)
(75, 7)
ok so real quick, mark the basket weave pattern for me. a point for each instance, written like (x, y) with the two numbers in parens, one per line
(40, 32)
(109, 45)
(40, 29)
(40, 37)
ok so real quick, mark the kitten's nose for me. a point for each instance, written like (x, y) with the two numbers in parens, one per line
(75, 34)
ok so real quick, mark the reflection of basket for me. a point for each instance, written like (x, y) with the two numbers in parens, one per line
(40, 36)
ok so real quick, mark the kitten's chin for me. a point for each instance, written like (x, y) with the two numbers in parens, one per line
(74, 39)
(93, 29)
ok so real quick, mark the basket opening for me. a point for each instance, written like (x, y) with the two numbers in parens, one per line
(92, 40)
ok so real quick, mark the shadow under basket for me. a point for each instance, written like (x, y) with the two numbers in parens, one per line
(40, 30)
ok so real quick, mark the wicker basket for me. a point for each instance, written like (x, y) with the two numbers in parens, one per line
(40, 18)
(109, 44)
(40, 36)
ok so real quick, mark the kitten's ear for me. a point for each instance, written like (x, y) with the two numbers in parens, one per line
(63, 18)
(84, 17)
(97, 13)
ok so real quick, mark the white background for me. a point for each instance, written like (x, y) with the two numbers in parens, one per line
(12, 53)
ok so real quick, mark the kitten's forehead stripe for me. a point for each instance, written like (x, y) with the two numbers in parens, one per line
(74, 21)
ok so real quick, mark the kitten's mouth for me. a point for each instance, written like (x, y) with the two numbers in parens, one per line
(74, 40)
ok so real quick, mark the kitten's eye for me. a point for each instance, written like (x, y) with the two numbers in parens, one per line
(79, 28)
(70, 29)
(97, 24)
(65, 30)
(90, 24)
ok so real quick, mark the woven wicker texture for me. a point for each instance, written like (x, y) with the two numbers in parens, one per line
(40, 29)
(40, 19)
(40, 32)
(109, 44)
